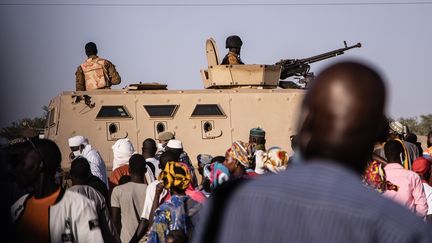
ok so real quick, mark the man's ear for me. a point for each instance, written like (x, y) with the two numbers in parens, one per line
(304, 135)
(402, 157)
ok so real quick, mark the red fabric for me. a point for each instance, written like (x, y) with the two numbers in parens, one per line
(422, 167)
(117, 174)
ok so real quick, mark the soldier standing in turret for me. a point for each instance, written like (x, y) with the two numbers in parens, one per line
(95, 72)
(233, 43)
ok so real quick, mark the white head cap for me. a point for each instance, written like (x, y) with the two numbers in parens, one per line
(122, 151)
(76, 141)
(175, 144)
(397, 127)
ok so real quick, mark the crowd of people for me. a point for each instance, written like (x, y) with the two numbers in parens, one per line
(354, 177)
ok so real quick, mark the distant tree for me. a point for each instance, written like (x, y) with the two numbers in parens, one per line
(16, 128)
(418, 126)
(425, 124)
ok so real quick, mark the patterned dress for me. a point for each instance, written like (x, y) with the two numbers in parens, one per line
(375, 178)
(178, 213)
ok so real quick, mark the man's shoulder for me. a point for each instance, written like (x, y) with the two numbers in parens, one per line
(75, 198)
(91, 152)
(329, 194)
(137, 186)
(409, 173)
(86, 190)
(107, 62)
(323, 186)
(73, 202)
(130, 186)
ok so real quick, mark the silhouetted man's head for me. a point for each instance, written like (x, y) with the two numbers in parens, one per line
(91, 49)
(80, 171)
(42, 157)
(394, 151)
(137, 165)
(342, 115)
(149, 147)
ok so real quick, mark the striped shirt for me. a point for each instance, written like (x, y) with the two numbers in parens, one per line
(316, 202)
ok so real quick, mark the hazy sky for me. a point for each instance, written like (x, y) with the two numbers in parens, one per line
(41, 45)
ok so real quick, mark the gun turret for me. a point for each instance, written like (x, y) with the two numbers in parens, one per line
(301, 67)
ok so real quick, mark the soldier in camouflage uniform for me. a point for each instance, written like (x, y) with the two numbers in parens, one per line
(233, 43)
(95, 72)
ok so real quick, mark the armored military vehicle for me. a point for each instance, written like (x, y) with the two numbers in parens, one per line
(236, 98)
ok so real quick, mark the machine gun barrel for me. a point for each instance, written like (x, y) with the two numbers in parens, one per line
(300, 67)
(329, 54)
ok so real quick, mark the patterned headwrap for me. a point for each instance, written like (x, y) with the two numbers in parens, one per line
(238, 151)
(217, 174)
(175, 175)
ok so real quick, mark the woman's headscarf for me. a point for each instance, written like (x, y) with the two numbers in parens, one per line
(238, 151)
(122, 151)
(175, 175)
(216, 173)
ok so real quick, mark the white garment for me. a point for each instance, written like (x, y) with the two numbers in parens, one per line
(150, 194)
(72, 207)
(149, 176)
(122, 151)
(106, 225)
(97, 165)
(155, 163)
(274, 160)
(259, 162)
(428, 191)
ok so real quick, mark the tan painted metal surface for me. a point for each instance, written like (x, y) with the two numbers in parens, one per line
(274, 110)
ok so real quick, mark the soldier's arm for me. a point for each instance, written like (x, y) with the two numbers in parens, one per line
(113, 75)
(80, 80)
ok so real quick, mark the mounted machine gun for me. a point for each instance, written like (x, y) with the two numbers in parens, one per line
(301, 67)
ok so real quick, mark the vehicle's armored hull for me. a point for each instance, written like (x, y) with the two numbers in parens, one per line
(206, 121)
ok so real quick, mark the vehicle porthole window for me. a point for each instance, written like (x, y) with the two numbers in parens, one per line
(208, 127)
(112, 128)
(160, 127)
